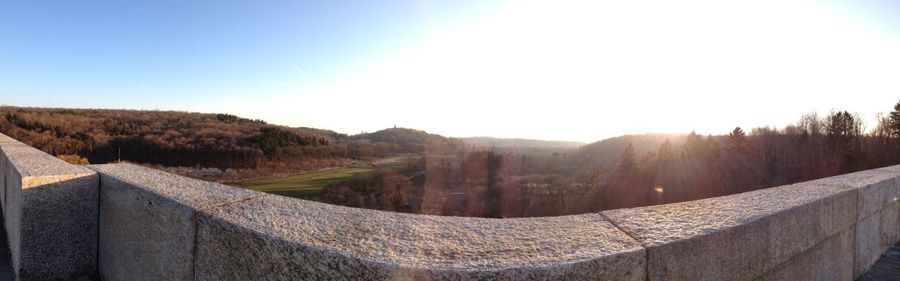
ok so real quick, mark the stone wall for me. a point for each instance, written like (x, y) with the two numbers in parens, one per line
(152, 225)
(155, 225)
(50, 213)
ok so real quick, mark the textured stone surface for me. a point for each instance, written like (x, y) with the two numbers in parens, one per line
(12, 210)
(158, 226)
(874, 235)
(50, 213)
(31, 162)
(59, 229)
(890, 169)
(737, 237)
(878, 213)
(187, 191)
(887, 268)
(868, 243)
(147, 221)
(890, 226)
(877, 188)
(278, 238)
(4, 169)
(6, 270)
(830, 260)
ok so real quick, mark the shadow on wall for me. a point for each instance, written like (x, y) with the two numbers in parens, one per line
(6, 271)
(53, 230)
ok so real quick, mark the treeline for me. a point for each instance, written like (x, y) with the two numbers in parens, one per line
(396, 189)
(223, 141)
(445, 177)
(814, 147)
(489, 183)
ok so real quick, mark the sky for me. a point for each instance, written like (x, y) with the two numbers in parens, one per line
(560, 70)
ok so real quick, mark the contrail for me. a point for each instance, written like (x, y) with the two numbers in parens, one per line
(310, 77)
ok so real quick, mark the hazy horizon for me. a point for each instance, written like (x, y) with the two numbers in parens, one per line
(349, 133)
(582, 142)
(561, 70)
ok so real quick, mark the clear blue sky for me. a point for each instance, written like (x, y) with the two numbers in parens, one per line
(114, 53)
(574, 70)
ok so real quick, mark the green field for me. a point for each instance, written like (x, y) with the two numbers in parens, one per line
(303, 184)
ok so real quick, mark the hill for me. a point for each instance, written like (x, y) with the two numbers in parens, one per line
(351, 169)
(601, 154)
(409, 140)
(188, 139)
(519, 143)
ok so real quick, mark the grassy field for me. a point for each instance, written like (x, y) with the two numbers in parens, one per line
(303, 184)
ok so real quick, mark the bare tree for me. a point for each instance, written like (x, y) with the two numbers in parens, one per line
(811, 123)
(882, 127)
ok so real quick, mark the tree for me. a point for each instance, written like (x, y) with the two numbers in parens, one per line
(811, 123)
(396, 192)
(712, 147)
(883, 128)
(494, 193)
(694, 145)
(627, 160)
(74, 159)
(842, 131)
(895, 120)
(737, 138)
(841, 128)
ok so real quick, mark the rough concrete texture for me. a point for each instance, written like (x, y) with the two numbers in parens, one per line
(50, 212)
(4, 167)
(887, 268)
(890, 169)
(874, 235)
(830, 260)
(158, 226)
(31, 162)
(6, 270)
(278, 238)
(187, 191)
(878, 213)
(12, 211)
(877, 188)
(147, 221)
(59, 229)
(890, 225)
(868, 243)
(737, 237)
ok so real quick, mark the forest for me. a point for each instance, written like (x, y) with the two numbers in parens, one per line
(627, 171)
(197, 140)
(482, 177)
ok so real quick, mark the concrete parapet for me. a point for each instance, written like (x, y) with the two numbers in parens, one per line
(147, 221)
(303, 240)
(152, 225)
(737, 237)
(50, 214)
(877, 225)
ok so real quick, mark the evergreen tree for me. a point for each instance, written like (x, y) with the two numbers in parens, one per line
(737, 138)
(627, 161)
(494, 193)
(841, 129)
(895, 120)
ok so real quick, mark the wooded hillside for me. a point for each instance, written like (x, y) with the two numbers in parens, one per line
(172, 138)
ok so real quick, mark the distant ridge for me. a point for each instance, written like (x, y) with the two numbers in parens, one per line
(519, 142)
(603, 153)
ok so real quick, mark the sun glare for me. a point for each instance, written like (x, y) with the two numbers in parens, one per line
(536, 67)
